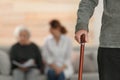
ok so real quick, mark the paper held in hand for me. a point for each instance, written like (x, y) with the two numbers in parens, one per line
(29, 63)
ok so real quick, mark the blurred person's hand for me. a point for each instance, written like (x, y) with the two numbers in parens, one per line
(58, 70)
(23, 69)
(79, 34)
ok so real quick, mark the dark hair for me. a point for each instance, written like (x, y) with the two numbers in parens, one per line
(56, 24)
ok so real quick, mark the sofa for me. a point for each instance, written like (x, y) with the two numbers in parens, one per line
(90, 71)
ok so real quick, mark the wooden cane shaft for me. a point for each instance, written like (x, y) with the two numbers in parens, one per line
(81, 62)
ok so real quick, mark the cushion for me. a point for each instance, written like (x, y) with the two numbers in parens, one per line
(4, 77)
(4, 63)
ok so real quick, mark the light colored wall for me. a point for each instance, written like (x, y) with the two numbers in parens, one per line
(37, 13)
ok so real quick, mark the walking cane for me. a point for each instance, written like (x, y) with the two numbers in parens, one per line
(81, 56)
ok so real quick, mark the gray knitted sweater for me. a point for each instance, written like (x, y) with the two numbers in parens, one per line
(110, 30)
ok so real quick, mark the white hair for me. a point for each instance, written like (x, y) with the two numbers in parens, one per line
(21, 28)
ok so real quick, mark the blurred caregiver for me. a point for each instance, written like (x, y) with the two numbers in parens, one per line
(25, 57)
(57, 51)
(109, 50)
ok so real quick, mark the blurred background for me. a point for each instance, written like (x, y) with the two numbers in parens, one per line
(36, 14)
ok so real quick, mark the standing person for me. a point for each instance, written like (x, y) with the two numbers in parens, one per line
(57, 51)
(25, 57)
(109, 50)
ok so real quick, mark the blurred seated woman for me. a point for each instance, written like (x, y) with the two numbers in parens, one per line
(25, 57)
(57, 53)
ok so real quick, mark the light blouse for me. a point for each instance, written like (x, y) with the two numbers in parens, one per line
(59, 53)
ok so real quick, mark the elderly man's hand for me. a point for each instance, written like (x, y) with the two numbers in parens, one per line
(79, 34)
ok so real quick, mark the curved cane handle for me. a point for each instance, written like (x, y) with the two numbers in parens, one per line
(83, 38)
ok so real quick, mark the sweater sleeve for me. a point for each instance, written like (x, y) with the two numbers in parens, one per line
(39, 61)
(12, 57)
(85, 11)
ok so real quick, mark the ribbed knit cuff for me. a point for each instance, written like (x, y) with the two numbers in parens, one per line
(81, 26)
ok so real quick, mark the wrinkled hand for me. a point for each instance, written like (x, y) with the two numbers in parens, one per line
(79, 34)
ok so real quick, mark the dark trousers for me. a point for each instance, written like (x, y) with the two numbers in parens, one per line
(52, 75)
(109, 63)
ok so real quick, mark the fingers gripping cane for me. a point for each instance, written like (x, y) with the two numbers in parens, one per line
(81, 56)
